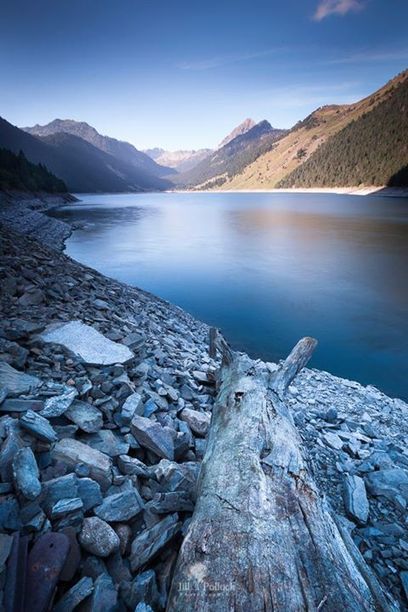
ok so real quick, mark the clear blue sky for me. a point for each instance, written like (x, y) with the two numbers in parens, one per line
(183, 73)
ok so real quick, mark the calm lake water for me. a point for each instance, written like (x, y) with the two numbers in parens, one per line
(267, 269)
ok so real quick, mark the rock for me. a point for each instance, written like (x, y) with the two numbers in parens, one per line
(16, 382)
(389, 483)
(38, 426)
(58, 405)
(72, 598)
(98, 538)
(199, 422)
(331, 415)
(124, 533)
(63, 487)
(26, 474)
(72, 452)
(32, 297)
(131, 466)
(105, 596)
(87, 417)
(120, 506)
(333, 440)
(66, 506)
(355, 499)
(21, 405)
(90, 493)
(9, 513)
(107, 442)
(6, 542)
(148, 543)
(10, 446)
(404, 582)
(132, 406)
(153, 436)
(13, 353)
(73, 559)
(86, 343)
(175, 501)
(142, 589)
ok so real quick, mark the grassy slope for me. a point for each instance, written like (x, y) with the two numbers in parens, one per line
(273, 166)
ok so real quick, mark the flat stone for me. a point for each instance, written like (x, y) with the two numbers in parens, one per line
(333, 440)
(98, 538)
(72, 452)
(132, 406)
(131, 466)
(199, 422)
(38, 426)
(175, 501)
(143, 588)
(120, 506)
(66, 506)
(32, 297)
(59, 404)
(72, 598)
(107, 442)
(148, 543)
(21, 405)
(389, 483)
(153, 436)
(87, 417)
(63, 487)
(87, 343)
(26, 474)
(90, 493)
(355, 499)
(16, 382)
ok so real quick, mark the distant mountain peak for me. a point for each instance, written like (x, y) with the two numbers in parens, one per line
(241, 129)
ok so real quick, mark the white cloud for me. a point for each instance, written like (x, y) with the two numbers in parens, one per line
(336, 7)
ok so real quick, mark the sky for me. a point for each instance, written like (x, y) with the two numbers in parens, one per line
(180, 74)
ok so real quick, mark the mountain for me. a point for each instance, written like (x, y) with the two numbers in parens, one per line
(82, 166)
(182, 161)
(241, 129)
(231, 158)
(16, 172)
(306, 137)
(371, 150)
(117, 148)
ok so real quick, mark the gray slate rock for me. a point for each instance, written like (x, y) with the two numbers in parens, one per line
(21, 405)
(389, 483)
(105, 595)
(86, 343)
(107, 442)
(56, 406)
(98, 538)
(87, 417)
(72, 598)
(16, 382)
(26, 474)
(148, 543)
(90, 493)
(65, 506)
(153, 436)
(72, 452)
(38, 426)
(199, 422)
(355, 499)
(132, 406)
(120, 506)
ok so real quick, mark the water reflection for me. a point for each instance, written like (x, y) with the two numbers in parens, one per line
(267, 269)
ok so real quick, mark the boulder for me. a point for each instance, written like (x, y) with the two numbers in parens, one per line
(26, 474)
(87, 417)
(199, 422)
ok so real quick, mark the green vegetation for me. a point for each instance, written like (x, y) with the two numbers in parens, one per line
(16, 172)
(371, 150)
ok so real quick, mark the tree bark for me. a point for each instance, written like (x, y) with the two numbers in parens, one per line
(262, 536)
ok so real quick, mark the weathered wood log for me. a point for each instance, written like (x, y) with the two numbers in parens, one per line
(262, 537)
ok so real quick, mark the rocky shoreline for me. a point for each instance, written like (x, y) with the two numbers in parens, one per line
(106, 394)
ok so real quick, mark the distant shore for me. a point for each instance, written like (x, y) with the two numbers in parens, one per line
(394, 192)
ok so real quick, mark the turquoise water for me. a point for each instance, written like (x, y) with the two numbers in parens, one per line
(267, 269)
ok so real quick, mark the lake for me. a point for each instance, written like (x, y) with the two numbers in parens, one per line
(267, 269)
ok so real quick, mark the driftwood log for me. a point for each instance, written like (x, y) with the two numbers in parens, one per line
(262, 537)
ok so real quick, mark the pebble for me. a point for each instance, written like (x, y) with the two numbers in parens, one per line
(98, 538)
